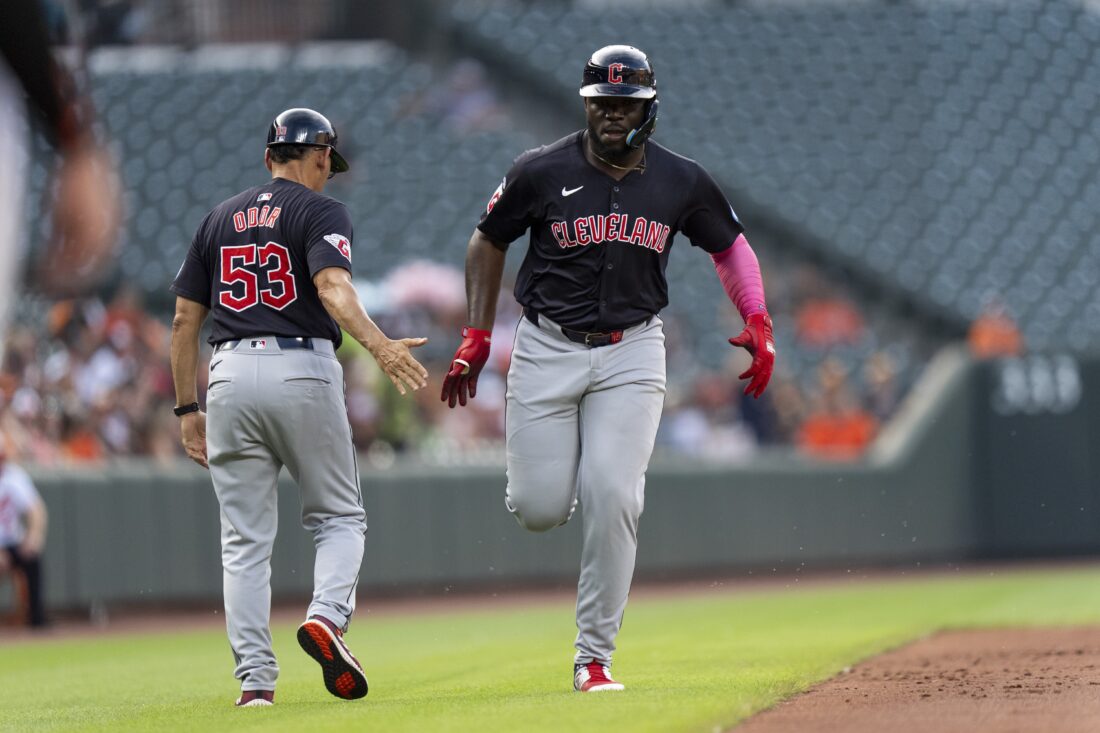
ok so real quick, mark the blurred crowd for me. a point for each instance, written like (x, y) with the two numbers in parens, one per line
(89, 381)
(832, 391)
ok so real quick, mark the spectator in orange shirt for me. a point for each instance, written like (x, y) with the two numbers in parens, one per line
(80, 444)
(837, 427)
(825, 317)
(994, 333)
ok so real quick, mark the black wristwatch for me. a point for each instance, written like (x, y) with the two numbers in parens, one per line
(181, 411)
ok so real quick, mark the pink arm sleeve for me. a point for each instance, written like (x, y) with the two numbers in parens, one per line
(739, 271)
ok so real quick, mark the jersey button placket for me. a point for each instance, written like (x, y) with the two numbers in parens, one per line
(597, 356)
(608, 253)
(594, 360)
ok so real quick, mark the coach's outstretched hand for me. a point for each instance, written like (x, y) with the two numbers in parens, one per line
(395, 358)
(757, 338)
(471, 356)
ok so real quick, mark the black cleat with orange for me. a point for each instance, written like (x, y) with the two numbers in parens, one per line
(322, 640)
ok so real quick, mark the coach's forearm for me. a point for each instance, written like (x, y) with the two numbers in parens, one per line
(484, 272)
(342, 303)
(186, 325)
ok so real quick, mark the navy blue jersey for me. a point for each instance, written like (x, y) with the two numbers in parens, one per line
(254, 256)
(599, 247)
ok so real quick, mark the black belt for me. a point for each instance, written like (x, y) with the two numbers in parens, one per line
(591, 339)
(285, 342)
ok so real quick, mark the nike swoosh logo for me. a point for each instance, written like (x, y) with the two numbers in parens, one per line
(570, 191)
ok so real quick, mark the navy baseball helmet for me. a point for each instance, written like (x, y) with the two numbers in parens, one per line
(301, 126)
(623, 71)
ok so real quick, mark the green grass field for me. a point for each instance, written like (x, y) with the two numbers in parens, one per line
(699, 663)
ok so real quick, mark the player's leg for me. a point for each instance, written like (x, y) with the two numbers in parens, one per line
(245, 477)
(311, 434)
(546, 378)
(619, 419)
(31, 567)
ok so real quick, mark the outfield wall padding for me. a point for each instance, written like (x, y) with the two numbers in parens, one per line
(967, 482)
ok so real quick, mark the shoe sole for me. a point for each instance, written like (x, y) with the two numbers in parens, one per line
(343, 677)
(614, 687)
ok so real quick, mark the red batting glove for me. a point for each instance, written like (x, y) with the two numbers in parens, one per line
(757, 338)
(467, 364)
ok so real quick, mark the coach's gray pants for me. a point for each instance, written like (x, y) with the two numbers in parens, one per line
(581, 424)
(266, 409)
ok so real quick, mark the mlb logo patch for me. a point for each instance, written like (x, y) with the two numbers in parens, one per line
(264, 197)
(258, 344)
(280, 133)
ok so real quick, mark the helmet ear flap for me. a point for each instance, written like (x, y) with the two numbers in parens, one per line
(641, 133)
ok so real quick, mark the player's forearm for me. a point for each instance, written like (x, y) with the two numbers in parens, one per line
(185, 349)
(484, 271)
(185, 365)
(343, 304)
(739, 271)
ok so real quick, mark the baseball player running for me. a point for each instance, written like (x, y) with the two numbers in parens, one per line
(586, 382)
(273, 264)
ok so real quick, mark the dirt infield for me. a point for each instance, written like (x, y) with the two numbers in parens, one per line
(1005, 681)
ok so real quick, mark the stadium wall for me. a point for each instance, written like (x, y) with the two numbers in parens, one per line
(1036, 452)
(978, 468)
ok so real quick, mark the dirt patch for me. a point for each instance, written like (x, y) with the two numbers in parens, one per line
(1003, 680)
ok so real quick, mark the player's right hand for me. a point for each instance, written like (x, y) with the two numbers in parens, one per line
(396, 360)
(193, 436)
(468, 361)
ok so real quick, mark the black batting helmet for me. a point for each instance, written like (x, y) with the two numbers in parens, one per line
(301, 126)
(623, 71)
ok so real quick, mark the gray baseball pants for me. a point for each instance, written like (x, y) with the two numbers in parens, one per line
(580, 425)
(267, 408)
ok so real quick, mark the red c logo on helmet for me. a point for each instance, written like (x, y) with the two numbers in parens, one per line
(614, 73)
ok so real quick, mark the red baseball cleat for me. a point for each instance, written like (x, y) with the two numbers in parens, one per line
(594, 677)
(322, 640)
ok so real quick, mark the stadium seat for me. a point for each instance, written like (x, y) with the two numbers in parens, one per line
(988, 106)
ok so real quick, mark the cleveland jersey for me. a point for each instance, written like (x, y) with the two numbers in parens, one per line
(599, 247)
(254, 256)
